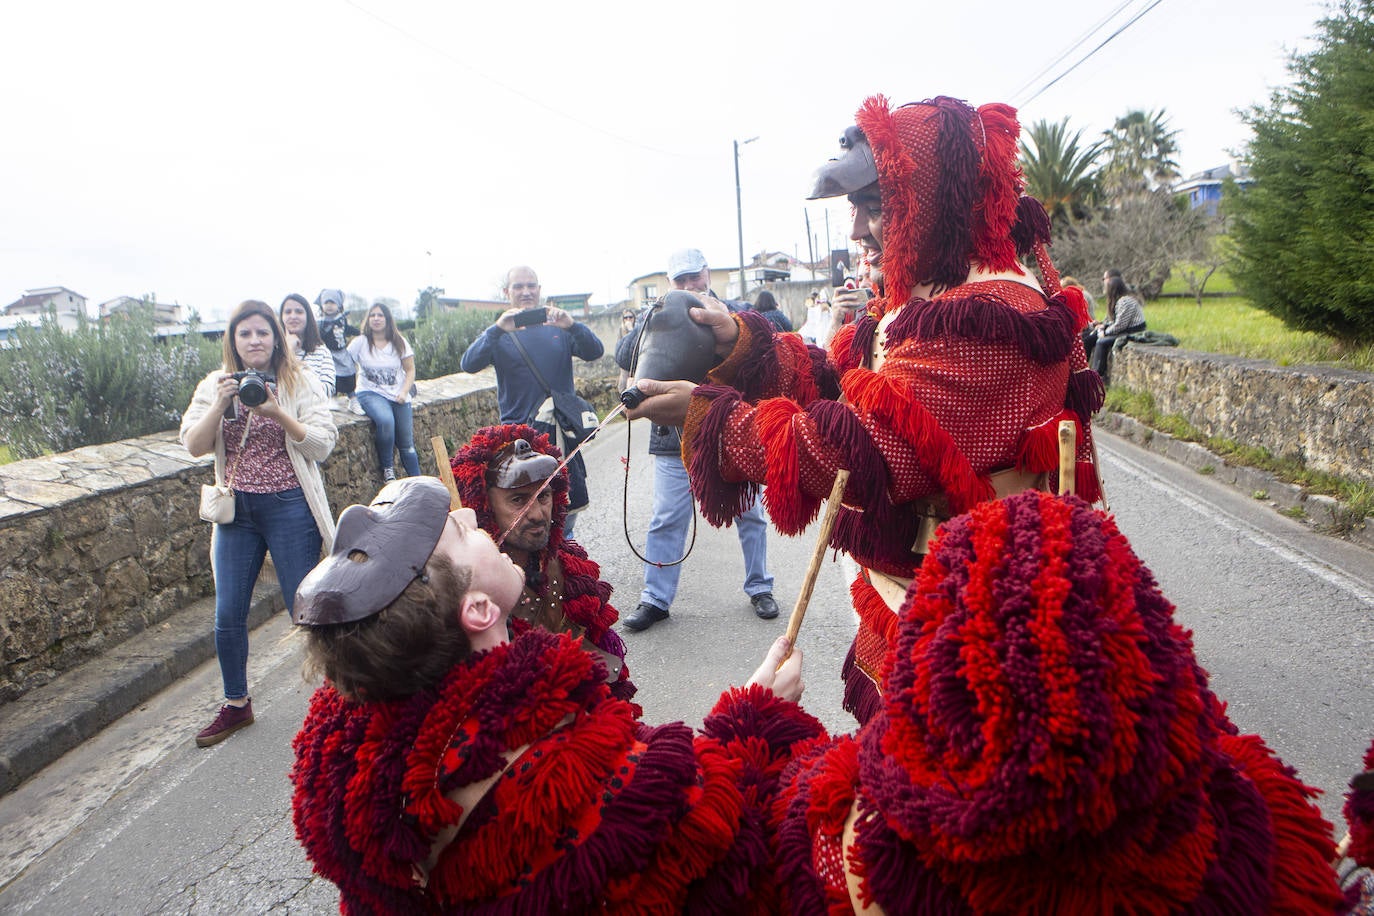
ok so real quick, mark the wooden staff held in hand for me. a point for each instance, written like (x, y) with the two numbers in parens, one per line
(832, 508)
(446, 472)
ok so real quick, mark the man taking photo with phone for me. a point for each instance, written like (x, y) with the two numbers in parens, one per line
(532, 349)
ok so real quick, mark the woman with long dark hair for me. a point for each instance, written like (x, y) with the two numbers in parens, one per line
(767, 306)
(269, 453)
(1125, 315)
(386, 371)
(306, 344)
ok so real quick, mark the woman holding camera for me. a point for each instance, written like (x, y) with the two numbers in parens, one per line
(386, 372)
(267, 422)
(306, 344)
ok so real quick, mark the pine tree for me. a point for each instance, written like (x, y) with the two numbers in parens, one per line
(1304, 231)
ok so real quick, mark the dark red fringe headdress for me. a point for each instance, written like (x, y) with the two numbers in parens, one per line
(950, 189)
(1050, 743)
(470, 462)
(586, 597)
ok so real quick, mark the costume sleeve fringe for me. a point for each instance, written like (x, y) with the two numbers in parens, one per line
(1085, 393)
(757, 371)
(790, 509)
(721, 501)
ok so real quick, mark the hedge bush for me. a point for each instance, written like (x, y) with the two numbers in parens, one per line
(440, 340)
(102, 382)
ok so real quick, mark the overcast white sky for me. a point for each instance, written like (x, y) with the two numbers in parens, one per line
(212, 152)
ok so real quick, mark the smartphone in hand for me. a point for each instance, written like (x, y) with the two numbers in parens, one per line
(531, 316)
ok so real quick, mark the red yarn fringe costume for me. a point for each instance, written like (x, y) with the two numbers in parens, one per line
(1048, 745)
(972, 381)
(599, 813)
(585, 597)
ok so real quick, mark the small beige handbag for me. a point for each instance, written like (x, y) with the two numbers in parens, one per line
(217, 499)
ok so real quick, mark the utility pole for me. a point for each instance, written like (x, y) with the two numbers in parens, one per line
(739, 214)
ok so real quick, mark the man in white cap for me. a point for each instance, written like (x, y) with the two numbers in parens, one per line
(672, 515)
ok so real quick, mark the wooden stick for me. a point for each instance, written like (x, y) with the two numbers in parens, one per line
(1068, 463)
(446, 471)
(832, 508)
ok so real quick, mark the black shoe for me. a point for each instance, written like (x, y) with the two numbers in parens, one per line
(646, 615)
(765, 606)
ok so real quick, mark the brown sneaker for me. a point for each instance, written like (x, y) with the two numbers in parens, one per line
(230, 719)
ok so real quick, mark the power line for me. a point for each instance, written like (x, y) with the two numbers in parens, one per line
(1130, 22)
(1077, 42)
(512, 90)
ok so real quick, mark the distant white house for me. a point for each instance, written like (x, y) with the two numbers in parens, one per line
(163, 313)
(29, 308)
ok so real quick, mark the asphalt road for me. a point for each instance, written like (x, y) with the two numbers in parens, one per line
(139, 820)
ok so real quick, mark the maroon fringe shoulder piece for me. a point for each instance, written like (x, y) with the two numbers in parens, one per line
(753, 713)
(721, 502)
(881, 534)
(1044, 336)
(861, 699)
(824, 372)
(861, 342)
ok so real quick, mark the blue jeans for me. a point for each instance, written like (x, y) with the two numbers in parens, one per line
(395, 429)
(279, 522)
(668, 536)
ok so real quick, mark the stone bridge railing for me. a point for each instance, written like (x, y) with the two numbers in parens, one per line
(102, 542)
(1322, 416)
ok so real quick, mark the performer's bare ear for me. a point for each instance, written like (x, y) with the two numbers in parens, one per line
(478, 613)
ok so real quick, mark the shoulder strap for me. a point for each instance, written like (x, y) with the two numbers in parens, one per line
(524, 354)
(238, 456)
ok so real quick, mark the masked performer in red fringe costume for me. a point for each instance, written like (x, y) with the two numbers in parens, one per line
(1359, 815)
(1048, 745)
(445, 769)
(946, 393)
(498, 473)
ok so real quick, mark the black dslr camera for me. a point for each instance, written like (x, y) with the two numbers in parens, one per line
(253, 386)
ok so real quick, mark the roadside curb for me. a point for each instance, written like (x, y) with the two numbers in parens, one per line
(45, 723)
(1318, 511)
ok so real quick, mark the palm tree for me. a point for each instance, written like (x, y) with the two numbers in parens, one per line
(1140, 149)
(1058, 171)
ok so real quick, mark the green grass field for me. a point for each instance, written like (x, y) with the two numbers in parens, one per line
(1231, 325)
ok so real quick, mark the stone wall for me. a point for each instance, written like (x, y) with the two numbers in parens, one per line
(102, 542)
(1324, 416)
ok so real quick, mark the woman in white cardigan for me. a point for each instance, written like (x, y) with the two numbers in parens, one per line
(269, 453)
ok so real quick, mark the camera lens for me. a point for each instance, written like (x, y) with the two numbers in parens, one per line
(252, 391)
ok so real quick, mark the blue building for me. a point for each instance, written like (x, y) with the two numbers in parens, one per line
(1204, 188)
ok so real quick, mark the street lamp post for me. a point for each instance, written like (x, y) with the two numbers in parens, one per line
(739, 214)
